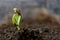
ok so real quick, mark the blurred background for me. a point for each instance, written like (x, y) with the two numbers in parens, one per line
(27, 7)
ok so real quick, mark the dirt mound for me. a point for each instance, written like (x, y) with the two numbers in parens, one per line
(44, 26)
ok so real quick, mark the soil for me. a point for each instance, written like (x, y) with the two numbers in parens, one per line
(31, 31)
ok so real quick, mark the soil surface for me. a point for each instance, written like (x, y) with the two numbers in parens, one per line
(31, 31)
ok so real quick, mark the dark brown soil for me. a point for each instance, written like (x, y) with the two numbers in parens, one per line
(31, 31)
